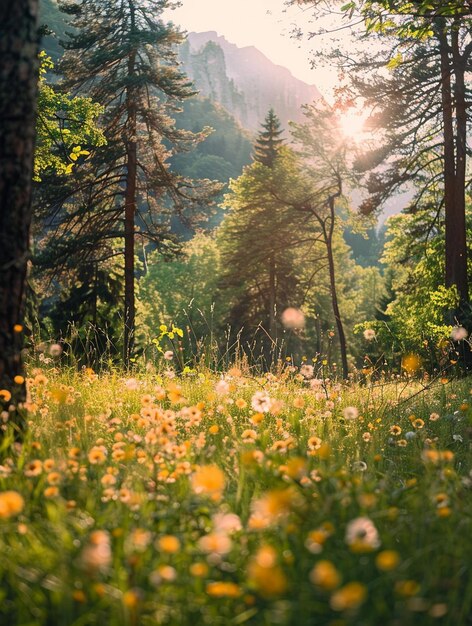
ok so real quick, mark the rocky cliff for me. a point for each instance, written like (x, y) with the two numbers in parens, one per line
(243, 80)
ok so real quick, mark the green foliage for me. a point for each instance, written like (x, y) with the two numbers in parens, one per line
(65, 125)
(223, 153)
(257, 240)
(181, 292)
(269, 140)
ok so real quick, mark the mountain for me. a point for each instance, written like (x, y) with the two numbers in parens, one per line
(243, 80)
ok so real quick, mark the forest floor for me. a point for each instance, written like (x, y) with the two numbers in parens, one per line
(205, 499)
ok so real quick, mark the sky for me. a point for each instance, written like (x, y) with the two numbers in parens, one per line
(265, 24)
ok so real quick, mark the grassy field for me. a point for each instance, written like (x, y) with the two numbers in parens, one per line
(201, 499)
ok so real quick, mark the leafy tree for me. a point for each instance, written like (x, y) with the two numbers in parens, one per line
(18, 97)
(324, 149)
(423, 105)
(64, 125)
(123, 56)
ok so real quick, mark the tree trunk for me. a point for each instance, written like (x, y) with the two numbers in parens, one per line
(130, 213)
(454, 192)
(459, 271)
(272, 299)
(334, 294)
(18, 98)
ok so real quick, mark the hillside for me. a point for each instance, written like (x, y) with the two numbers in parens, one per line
(244, 80)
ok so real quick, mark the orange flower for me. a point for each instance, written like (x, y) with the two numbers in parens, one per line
(209, 480)
(11, 504)
(223, 589)
(325, 575)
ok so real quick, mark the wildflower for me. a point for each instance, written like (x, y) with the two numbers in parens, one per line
(223, 589)
(168, 355)
(55, 350)
(97, 455)
(132, 384)
(11, 504)
(249, 436)
(395, 430)
(227, 522)
(361, 535)
(387, 560)
(351, 596)
(169, 544)
(51, 492)
(54, 478)
(366, 437)
(164, 573)
(418, 423)
(199, 569)
(351, 413)
(307, 371)
(222, 387)
(96, 556)
(314, 443)
(265, 574)
(33, 468)
(261, 402)
(272, 507)
(5, 395)
(369, 334)
(293, 319)
(458, 333)
(295, 468)
(209, 480)
(411, 363)
(215, 543)
(325, 575)
(131, 598)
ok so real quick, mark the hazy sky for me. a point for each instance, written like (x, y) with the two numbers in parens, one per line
(261, 23)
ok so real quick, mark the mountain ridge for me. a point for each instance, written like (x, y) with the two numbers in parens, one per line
(244, 80)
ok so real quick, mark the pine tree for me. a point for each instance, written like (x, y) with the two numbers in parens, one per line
(258, 239)
(123, 56)
(269, 141)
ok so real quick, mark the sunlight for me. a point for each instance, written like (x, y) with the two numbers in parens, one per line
(352, 123)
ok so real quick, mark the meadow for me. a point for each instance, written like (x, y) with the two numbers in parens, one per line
(202, 498)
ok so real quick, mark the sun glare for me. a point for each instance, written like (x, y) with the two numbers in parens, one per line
(352, 123)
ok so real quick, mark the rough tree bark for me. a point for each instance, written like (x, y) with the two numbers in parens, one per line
(454, 165)
(18, 97)
(130, 203)
(459, 271)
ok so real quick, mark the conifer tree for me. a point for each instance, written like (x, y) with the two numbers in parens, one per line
(123, 56)
(269, 140)
(258, 238)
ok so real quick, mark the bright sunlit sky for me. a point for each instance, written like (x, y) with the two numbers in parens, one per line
(265, 24)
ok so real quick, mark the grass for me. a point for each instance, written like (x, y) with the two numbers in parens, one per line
(213, 500)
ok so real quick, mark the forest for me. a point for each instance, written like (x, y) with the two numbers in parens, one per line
(235, 315)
